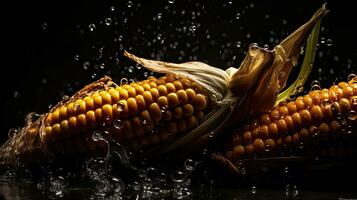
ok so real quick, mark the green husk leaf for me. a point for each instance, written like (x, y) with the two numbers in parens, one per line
(306, 66)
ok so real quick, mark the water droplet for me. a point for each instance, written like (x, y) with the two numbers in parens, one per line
(178, 176)
(253, 190)
(301, 145)
(238, 44)
(238, 16)
(315, 131)
(131, 69)
(44, 26)
(159, 16)
(144, 122)
(329, 42)
(86, 65)
(354, 101)
(326, 103)
(243, 171)
(193, 28)
(295, 191)
(123, 81)
(108, 21)
(352, 115)
(76, 106)
(50, 106)
(65, 97)
(94, 75)
(102, 66)
(351, 76)
(266, 46)
(76, 57)
(120, 38)
(16, 94)
(92, 27)
(300, 88)
(190, 165)
(287, 190)
(267, 147)
(315, 85)
(171, 1)
(118, 124)
(130, 4)
(121, 106)
(97, 135)
(12, 132)
(112, 8)
(146, 74)
(286, 170)
(211, 134)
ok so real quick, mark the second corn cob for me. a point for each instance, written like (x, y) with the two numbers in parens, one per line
(314, 119)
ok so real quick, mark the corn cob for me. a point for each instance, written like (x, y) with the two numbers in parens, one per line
(138, 115)
(135, 115)
(313, 120)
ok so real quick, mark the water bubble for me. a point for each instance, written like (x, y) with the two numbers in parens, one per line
(102, 66)
(44, 26)
(171, 1)
(50, 106)
(16, 94)
(86, 65)
(178, 176)
(65, 97)
(112, 8)
(315, 85)
(97, 135)
(238, 16)
(130, 4)
(326, 103)
(131, 69)
(295, 191)
(190, 164)
(120, 38)
(266, 46)
(94, 75)
(76, 106)
(12, 132)
(144, 122)
(239, 44)
(286, 170)
(118, 124)
(92, 27)
(329, 42)
(193, 28)
(315, 131)
(121, 106)
(300, 88)
(352, 115)
(123, 81)
(354, 101)
(159, 16)
(108, 21)
(351, 76)
(287, 190)
(253, 190)
(211, 134)
(76, 57)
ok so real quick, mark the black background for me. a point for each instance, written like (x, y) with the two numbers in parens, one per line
(38, 65)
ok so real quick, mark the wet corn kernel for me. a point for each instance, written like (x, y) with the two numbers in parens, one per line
(171, 104)
(306, 121)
